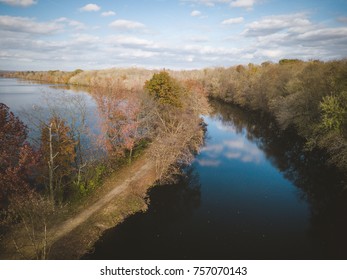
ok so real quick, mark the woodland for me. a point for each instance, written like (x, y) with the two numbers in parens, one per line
(43, 178)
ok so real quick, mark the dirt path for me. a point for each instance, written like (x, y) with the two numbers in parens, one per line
(121, 195)
(135, 174)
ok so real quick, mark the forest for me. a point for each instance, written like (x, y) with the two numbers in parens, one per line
(157, 111)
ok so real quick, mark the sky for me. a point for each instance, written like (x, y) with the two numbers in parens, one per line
(173, 34)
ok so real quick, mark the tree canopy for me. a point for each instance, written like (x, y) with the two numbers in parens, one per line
(165, 89)
(16, 157)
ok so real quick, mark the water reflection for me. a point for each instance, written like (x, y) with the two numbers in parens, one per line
(324, 187)
(286, 151)
(35, 104)
(236, 149)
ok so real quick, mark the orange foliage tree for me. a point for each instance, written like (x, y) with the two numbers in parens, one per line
(58, 157)
(17, 158)
(120, 119)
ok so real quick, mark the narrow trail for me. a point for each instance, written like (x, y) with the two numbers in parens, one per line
(119, 188)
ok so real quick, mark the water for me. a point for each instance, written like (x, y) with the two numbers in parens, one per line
(35, 103)
(22, 95)
(251, 193)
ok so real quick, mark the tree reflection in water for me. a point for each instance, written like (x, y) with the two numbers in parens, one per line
(323, 186)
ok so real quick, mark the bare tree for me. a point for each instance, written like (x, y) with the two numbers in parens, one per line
(27, 220)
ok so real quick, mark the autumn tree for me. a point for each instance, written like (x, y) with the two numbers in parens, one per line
(331, 132)
(24, 213)
(168, 95)
(334, 112)
(58, 157)
(179, 132)
(71, 111)
(165, 89)
(28, 222)
(121, 119)
(17, 158)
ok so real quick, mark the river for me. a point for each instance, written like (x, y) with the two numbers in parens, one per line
(252, 192)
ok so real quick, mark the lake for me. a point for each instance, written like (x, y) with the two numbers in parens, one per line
(252, 192)
(35, 102)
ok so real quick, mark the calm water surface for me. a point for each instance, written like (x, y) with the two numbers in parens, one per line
(31, 101)
(251, 193)
(22, 95)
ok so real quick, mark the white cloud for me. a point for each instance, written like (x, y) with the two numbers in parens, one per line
(130, 41)
(212, 150)
(228, 128)
(90, 8)
(233, 3)
(190, 58)
(28, 25)
(324, 34)
(108, 13)
(198, 39)
(267, 38)
(22, 3)
(126, 24)
(270, 53)
(236, 149)
(195, 13)
(208, 162)
(73, 23)
(85, 38)
(240, 149)
(209, 3)
(210, 52)
(279, 32)
(272, 24)
(342, 19)
(233, 20)
(135, 54)
(233, 155)
(235, 144)
(243, 3)
(294, 35)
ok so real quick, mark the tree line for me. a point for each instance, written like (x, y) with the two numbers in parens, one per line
(310, 97)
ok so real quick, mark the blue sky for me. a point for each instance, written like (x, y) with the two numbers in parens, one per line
(175, 34)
